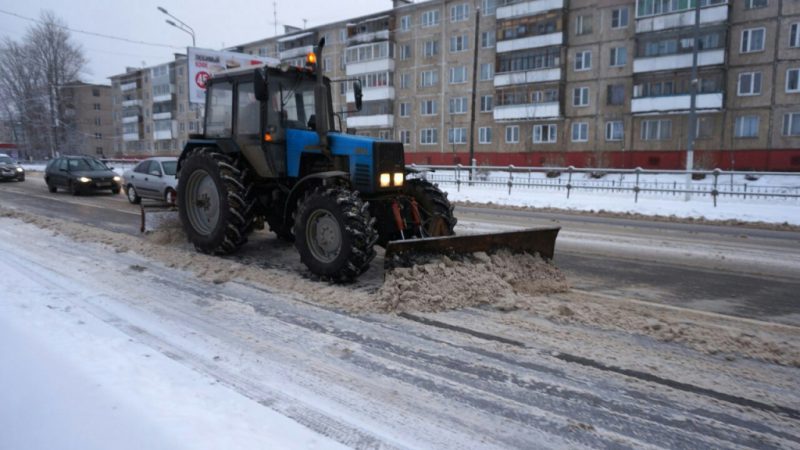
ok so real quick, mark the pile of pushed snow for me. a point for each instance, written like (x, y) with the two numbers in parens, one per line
(501, 279)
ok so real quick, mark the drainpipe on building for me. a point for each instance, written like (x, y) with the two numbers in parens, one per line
(474, 93)
(692, 102)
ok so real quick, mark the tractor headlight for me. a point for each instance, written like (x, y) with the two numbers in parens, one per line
(398, 178)
(386, 179)
(84, 179)
(117, 179)
(19, 169)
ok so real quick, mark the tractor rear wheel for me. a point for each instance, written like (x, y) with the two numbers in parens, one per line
(335, 234)
(436, 211)
(213, 209)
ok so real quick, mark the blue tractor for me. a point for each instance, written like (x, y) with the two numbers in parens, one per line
(271, 153)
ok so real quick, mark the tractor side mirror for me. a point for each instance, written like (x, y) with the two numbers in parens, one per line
(358, 94)
(260, 85)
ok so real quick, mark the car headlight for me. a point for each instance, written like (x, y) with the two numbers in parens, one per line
(19, 169)
(117, 179)
(385, 179)
(84, 179)
(398, 178)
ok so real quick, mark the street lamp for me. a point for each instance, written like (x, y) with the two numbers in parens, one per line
(183, 27)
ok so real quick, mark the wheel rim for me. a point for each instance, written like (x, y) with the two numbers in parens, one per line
(324, 236)
(202, 202)
(131, 194)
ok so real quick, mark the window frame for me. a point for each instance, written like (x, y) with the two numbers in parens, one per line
(583, 131)
(749, 40)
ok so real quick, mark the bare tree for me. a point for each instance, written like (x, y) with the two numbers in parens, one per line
(31, 75)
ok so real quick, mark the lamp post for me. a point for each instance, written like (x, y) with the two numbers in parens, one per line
(183, 27)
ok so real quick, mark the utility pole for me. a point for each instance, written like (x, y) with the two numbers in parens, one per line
(692, 102)
(474, 91)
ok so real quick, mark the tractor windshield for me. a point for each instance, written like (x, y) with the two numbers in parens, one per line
(293, 95)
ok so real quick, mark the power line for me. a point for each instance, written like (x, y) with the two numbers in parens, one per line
(92, 33)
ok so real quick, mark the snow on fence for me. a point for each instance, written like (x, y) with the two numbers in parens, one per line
(636, 182)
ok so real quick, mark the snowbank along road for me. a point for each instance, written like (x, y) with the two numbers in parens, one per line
(601, 365)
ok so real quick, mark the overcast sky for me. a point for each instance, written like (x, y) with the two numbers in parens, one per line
(217, 24)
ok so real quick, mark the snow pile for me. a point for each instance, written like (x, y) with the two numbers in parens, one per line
(501, 278)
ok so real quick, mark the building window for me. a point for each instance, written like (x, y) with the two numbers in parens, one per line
(619, 56)
(96, 106)
(459, 13)
(428, 107)
(405, 23)
(97, 121)
(488, 39)
(487, 71)
(428, 78)
(656, 130)
(583, 60)
(512, 134)
(487, 102)
(749, 83)
(580, 96)
(458, 74)
(793, 80)
(458, 105)
(615, 94)
(619, 18)
(428, 136)
(791, 124)
(98, 135)
(753, 40)
(544, 134)
(704, 127)
(485, 135)
(583, 25)
(489, 7)
(405, 136)
(430, 48)
(457, 136)
(405, 109)
(747, 127)
(580, 132)
(95, 92)
(753, 4)
(794, 35)
(458, 43)
(430, 18)
(615, 130)
(405, 51)
(384, 134)
(405, 80)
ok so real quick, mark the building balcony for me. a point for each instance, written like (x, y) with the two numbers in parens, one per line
(129, 103)
(374, 121)
(296, 52)
(529, 8)
(527, 111)
(364, 38)
(127, 137)
(678, 61)
(542, 40)
(526, 77)
(162, 134)
(708, 15)
(162, 116)
(676, 103)
(127, 86)
(373, 93)
(131, 119)
(375, 65)
(162, 98)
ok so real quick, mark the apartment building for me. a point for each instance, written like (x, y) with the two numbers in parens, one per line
(88, 127)
(151, 110)
(549, 82)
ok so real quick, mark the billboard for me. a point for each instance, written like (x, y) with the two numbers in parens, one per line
(203, 63)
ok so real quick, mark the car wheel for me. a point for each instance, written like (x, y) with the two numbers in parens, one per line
(170, 196)
(133, 197)
(72, 188)
(21, 177)
(115, 190)
(51, 187)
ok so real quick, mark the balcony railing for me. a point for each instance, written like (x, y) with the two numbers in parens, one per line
(708, 15)
(374, 121)
(128, 103)
(527, 111)
(130, 119)
(527, 76)
(128, 86)
(678, 61)
(373, 93)
(130, 137)
(296, 52)
(162, 116)
(529, 8)
(363, 38)
(385, 64)
(674, 103)
(542, 40)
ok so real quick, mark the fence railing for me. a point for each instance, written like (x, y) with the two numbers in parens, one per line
(701, 183)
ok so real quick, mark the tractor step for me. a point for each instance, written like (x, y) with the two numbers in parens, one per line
(410, 252)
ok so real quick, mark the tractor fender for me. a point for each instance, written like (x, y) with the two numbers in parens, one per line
(226, 146)
(306, 183)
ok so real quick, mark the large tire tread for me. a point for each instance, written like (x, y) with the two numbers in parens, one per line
(432, 200)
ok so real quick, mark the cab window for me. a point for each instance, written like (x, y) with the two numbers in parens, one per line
(220, 109)
(62, 164)
(142, 167)
(247, 113)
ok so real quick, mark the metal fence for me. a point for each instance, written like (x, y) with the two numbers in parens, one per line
(701, 183)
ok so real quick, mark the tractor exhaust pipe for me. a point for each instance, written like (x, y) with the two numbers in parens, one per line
(321, 106)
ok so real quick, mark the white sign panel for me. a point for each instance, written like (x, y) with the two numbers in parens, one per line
(204, 63)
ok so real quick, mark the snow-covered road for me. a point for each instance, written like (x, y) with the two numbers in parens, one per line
(110, 340)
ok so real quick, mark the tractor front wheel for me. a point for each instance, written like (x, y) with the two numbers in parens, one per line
(334, 233)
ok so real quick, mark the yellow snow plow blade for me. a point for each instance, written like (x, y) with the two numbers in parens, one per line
(156, 217)
(410, 252)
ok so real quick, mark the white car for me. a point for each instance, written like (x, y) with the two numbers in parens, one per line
(152, 178)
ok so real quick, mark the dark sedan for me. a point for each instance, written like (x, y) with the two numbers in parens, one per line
(81, 174)
(10, 170)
